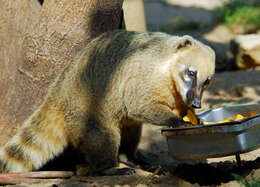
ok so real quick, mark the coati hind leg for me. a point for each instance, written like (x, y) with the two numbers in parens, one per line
(100, 147)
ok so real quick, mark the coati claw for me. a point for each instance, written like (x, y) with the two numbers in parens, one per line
(131, 171)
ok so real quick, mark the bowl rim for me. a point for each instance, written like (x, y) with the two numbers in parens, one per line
(226, 127)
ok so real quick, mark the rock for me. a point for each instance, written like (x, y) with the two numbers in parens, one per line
(219, 34)
(246, 49)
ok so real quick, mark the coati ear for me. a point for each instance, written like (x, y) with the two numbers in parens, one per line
(185, 41)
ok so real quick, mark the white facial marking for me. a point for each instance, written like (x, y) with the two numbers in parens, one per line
(186, 78)
(182, 81)
(192, 68)
(184, 90)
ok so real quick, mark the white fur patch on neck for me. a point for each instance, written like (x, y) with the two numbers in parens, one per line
(182, 68)
(184, 90)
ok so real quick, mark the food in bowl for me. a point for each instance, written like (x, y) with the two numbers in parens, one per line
(192, 118)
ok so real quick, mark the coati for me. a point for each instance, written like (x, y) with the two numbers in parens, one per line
(98, 103)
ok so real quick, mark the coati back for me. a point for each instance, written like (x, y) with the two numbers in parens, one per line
(98, 103)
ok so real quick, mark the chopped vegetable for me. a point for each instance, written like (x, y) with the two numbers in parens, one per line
(237, 117)
(208, 123)
(191, 117)
(225, 120)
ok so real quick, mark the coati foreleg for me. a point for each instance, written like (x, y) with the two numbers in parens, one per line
(159, 114)
(130, 137)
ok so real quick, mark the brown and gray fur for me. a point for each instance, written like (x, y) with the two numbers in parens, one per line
(98, 103)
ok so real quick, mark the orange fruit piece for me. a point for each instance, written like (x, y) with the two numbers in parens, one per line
(191, 117)
(239, 117)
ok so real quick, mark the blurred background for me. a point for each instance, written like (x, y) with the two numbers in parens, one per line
(215, 22)
(230, 27)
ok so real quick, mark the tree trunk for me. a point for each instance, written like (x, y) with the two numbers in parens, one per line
(134, 15)
(37, 42)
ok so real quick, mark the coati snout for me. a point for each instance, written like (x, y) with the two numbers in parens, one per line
(194, 94)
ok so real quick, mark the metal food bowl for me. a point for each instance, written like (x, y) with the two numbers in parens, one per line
(216, 140)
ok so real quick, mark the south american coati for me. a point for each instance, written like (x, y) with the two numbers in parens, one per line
(119, 80)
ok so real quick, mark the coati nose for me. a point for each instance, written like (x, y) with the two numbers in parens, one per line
(196, 104)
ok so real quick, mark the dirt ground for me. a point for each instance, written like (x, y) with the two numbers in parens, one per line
(157, 168)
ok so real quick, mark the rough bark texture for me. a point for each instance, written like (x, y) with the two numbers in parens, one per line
(134, 15)
(37, 42)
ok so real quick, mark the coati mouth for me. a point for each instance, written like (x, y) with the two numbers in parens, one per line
(193, 99)
(196, 104)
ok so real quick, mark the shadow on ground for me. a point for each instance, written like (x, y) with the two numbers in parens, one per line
(200, 172)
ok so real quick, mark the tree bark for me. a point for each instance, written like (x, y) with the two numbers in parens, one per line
(134, 15)
(37, 42)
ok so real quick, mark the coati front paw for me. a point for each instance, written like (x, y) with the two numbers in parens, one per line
(85, 170)
(128, 171)
(128, 161)
(120, 171)
(185, 125)
(178, 123)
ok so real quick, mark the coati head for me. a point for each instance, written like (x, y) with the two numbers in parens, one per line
(192, 70)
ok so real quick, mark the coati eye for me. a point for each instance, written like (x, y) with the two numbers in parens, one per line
(191, 74)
